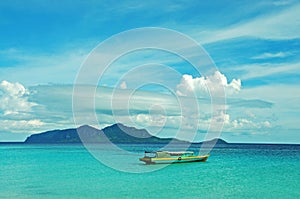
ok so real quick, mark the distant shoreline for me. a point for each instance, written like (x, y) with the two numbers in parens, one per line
(192, 144)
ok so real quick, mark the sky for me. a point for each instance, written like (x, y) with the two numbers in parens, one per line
(253, 45)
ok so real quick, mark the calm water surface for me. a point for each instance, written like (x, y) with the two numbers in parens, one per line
(45, 171)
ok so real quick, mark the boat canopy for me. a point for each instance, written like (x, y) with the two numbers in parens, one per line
(180, 152)
(169, 153)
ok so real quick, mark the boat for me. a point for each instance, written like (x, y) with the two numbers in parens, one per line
(167, 157)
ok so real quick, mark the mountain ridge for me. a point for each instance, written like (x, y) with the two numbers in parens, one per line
(116, 133)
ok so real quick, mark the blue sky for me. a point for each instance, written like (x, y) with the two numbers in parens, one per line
(44, 43)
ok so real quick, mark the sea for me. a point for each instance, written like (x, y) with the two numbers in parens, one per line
(74, 171)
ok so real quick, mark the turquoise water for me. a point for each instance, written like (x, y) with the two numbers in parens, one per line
(72, 172)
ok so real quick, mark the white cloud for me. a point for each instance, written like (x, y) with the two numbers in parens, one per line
(201, 86)
(123, 85)
(272, 55)
(42, 68)
(14, 99)
(243, 123)
(222, 116)
(16, 114)
(282, 2)
(21, 126)
(283, 25)
(286, 108)
(264, 70)
(266, 124)
(155, 120)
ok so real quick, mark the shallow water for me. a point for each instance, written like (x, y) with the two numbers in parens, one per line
(57, 171)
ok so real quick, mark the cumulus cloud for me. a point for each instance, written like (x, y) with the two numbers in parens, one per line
(14, 99)
(201, 86)
(221, 116)
(123, 85)
(16, 113)
(244, 123)
(155, 120)
(21, 126)
(224, 115)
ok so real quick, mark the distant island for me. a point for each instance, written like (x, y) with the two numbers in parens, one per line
(117, 133)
